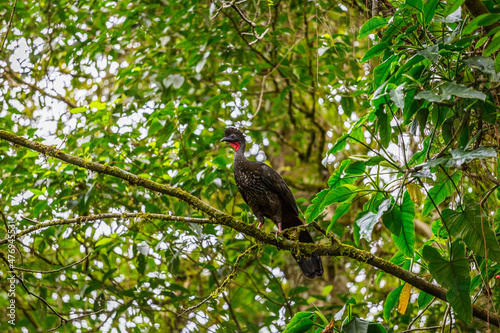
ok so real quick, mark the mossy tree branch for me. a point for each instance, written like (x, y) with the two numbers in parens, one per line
(336, 248)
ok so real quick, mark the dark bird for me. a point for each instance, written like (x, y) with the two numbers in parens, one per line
(268, 196)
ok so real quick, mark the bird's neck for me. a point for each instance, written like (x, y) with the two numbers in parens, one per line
(239, 154)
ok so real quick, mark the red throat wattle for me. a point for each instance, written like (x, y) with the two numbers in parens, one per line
(235, 145)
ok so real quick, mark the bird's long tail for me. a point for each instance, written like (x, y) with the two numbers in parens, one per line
(310, 266)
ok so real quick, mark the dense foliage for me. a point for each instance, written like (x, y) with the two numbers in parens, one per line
(120, 213)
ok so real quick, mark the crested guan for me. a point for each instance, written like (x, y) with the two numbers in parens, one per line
(268, 196)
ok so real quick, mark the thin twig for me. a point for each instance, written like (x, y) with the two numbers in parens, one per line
(267, 75)
(9, 26)
(420, 314)
(422, 329)
(221, 288)
(89, 218)
(52, 271)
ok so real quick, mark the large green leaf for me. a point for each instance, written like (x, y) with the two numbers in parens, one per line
(442, 189)
(452, 274)
(460, 156)
(367, 220)
(300, 323)
(393, 221)
(381, 72)
(391, 301)
(493, 46)
(372, 24)
(337, 179)
(483, 64)
(429, 10)
(375, 51)
(423, 300)
(450, 89)
(384, 128)
(416, 4)
(327, 197)
(341, 210)
(355, 168)
(356, 325)
(406, 240)
(481, 21)
(473, 227)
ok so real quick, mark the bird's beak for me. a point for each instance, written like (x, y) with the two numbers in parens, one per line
(225, 140)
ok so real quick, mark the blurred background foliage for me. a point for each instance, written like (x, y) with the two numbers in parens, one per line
(391, 97)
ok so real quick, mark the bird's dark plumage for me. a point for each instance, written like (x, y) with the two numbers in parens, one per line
(268, 195)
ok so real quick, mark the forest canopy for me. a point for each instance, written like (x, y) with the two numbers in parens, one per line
(119, 210)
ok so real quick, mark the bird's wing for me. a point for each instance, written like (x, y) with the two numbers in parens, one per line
(276, 184)
(242, 192)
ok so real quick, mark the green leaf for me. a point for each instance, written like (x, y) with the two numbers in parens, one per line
(104, 241)
(347, 104)
(450, 89)
(328, 197)
(375, 51)
(481, 21)
(97, 105)
(417, 4)
(442, 189)
(78, 110)
(339, 145)
(423, 300)
(155, 127)
(341, 210)
(471, 226)
(372, 24)
(459, 90)
(439, 230)
(429, 10)
(452, 274)
(356, 168)
(393, 221)
(376, 328)
(356, 325)
(382, 71)
(493, 46)
(460, 156)
(336, 178)
(391, 301)
(141, 264)
(339, 194)
(405, 242)
(429, 96)
(452, 7)
(483, 64)
(367, 220)
(384, 128)
(397, 96)
(301, 322)
(431, 52)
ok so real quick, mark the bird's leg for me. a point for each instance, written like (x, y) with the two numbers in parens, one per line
(261, 219)
(279, 229)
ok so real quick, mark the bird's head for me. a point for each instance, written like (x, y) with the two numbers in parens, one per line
(235, 138)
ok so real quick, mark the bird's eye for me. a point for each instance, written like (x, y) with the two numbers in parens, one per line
(233, 136)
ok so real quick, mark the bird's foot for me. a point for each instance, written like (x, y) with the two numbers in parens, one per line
(279, 229)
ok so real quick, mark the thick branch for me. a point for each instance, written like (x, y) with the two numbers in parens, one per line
(335, 249)
(117, 172)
